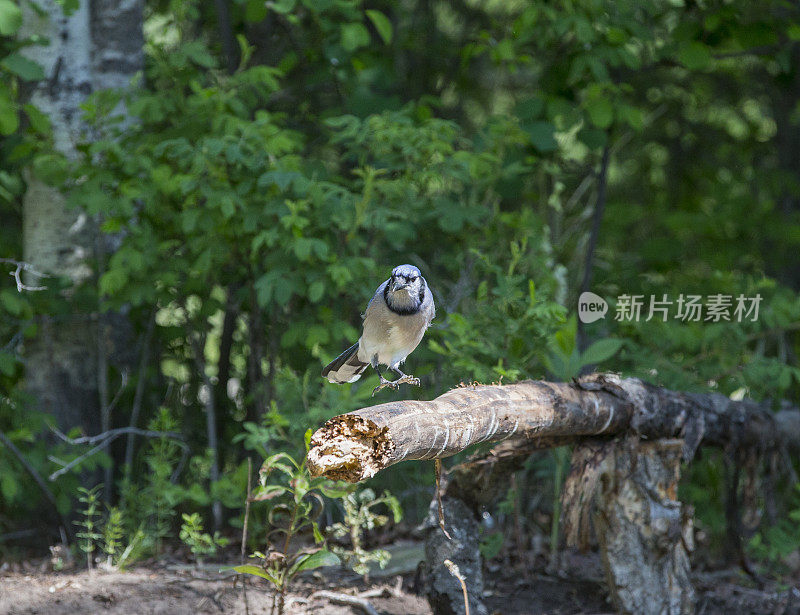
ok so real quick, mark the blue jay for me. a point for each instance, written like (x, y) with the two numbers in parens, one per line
(394, 323)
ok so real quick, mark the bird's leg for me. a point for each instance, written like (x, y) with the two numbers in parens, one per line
(383, 383)
(404, 379)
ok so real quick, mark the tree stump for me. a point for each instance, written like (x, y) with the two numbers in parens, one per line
(645, 533)
(444, 590)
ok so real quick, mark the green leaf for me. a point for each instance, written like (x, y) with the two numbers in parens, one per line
(10, 18)
(382, 24)
(601, 350)
(9, 486)
(23, 67)
(336, 490)
(254, 570)
(318, 537)
(529, 109)
(601, 111)
(268, 492)
(564, 338)
(12, 301)
(541, 134)
(112, 281)
(307, 438)
(255, 11)
(9, 122)
(323, 557)
(38, 120)
(316, 290)
(593, 138)
(616, 36)
(283, 6)
(695, 56)
(490, 545)
(50, 168)
(7, 363)
(354, 35)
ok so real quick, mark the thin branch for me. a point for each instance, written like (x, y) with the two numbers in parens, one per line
(245, 527)
(437, 471)
(138, 394)
(112, 434)
(453, 568)
(105, 439)
(17, 274)
(229, 46)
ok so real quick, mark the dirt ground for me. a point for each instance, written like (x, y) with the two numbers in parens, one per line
(180, 589)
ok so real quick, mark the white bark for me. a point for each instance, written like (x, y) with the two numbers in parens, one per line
(98, 46)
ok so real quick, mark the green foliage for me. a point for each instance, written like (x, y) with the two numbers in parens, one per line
(275, 196)
(565, 360)
(490, 545)
(113, 533)
(359, 517)
(201, 543)
(294, 503)
(89, 523)
(157, 501)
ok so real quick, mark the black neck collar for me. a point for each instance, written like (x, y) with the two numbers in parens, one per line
(403, 311)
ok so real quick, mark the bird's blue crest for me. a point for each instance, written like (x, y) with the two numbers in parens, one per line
(406, 271)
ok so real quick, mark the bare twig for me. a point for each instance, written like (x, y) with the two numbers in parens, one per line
(353, 601)
(17, 274)
(244, 530)
(453, 568)
(120, 431)
(437, 470)
(104, 440)
(13, 342)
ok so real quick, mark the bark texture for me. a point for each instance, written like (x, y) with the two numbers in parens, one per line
(355, 446)
(645, 533)
(462, 548)
(98, 46)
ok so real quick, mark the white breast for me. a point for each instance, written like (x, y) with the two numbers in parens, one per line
(390, 336)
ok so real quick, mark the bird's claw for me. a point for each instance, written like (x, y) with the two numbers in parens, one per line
(383, 384)
(395, 384)
(408, 380)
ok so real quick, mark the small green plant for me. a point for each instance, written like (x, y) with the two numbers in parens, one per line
(295, 503)
(134, 550)
(112, 535)
(360, 516)
(90, 522)
(565, 360)
(201, 543)
(157, 500)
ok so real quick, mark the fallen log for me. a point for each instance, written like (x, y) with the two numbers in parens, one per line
(357, 445)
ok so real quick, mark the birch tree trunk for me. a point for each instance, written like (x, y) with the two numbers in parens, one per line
(96, 47)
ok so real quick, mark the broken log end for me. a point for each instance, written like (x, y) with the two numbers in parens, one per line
(349, 448)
